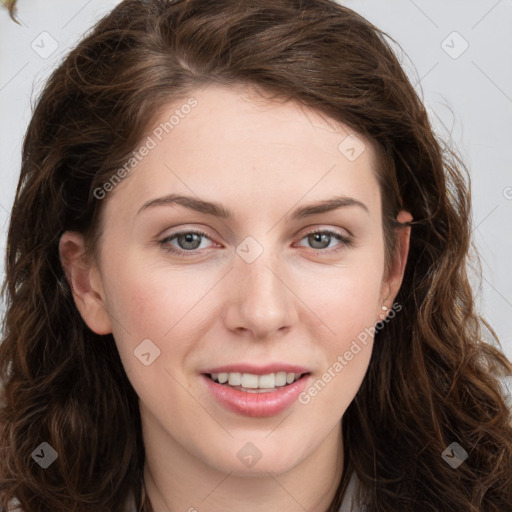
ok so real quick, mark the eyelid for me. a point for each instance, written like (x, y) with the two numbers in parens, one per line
(321, 228)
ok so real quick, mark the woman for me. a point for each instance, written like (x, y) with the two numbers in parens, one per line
(236, 278)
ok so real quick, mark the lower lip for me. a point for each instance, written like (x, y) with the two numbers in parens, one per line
(257, 404)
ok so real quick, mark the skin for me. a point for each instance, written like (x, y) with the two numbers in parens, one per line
(294, 303)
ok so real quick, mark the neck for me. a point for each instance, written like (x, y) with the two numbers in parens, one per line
(177, 480)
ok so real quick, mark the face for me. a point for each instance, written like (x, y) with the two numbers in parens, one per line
(271, 288)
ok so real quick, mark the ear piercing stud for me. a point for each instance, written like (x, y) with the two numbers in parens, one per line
(384, 308)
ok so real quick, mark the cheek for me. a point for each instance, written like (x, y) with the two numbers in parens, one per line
(353, 319)
(357, 304)
(155, 303)
(345, 355)
(346, 304)
(344, 298)
(149, 299)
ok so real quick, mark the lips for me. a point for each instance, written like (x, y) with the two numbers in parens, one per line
(257, 370)
(266, 394)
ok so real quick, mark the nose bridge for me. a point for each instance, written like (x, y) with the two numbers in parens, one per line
(262, 302)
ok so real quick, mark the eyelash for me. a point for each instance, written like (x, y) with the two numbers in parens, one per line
(346, 241)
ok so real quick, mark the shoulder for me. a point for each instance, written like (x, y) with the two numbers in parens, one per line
(13, 506)
(131, 506)
(347, 505)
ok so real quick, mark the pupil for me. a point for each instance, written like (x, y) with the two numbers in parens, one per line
(318, 236)
(189, 239)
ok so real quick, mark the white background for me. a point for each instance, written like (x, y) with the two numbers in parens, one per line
(469, 94)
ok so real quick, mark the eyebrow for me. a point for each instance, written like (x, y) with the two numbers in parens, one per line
(218, 210)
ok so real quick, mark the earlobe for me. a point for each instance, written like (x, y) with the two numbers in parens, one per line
(85, 282)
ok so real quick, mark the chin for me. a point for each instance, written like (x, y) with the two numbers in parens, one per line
(258, 458)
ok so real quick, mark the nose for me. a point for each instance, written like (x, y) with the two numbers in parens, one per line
(260, 302)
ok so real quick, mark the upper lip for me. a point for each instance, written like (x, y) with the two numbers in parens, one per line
(258, 370)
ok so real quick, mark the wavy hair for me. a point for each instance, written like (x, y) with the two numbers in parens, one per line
(433, 378)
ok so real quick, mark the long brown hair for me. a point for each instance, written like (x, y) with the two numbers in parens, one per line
(432, 379)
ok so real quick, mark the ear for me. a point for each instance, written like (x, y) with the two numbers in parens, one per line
(85, 282)
(393, 279)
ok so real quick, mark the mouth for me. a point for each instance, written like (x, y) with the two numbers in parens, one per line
(256, 394)
(253, 383)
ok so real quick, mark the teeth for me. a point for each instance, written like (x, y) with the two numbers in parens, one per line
(281, 378)
(265, 381)
(252, 381)
(234, 379)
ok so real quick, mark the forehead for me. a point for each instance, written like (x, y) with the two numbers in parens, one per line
(234, 145)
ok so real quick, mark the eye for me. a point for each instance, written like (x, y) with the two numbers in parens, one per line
(322, 238)
(188, 242)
